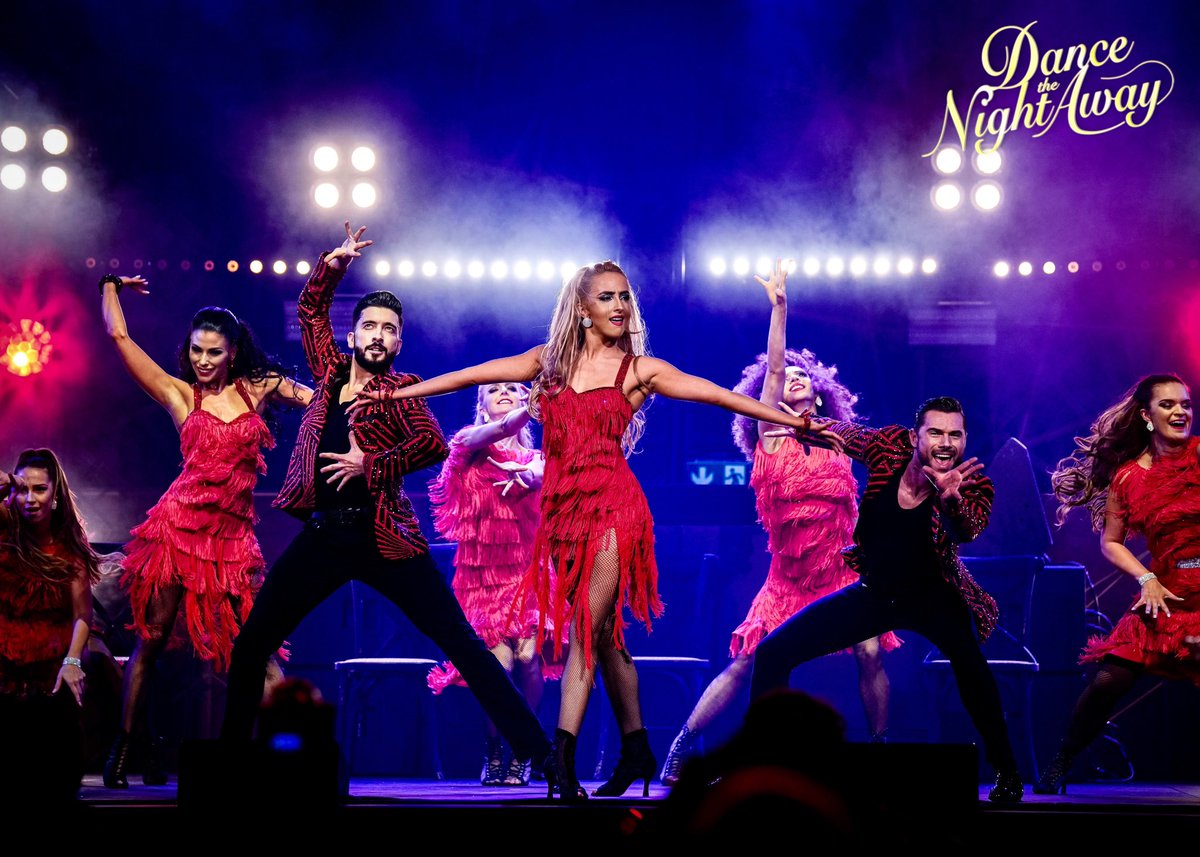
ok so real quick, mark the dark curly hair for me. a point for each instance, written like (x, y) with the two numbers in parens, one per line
(837, 402)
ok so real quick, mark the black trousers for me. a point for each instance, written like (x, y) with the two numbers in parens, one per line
(320, 559)
(858, 613)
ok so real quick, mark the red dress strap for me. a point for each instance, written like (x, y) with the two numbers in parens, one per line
(237, 385)
(620, 382)
(196, 397)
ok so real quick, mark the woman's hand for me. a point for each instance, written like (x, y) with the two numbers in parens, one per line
(363, 398)
(811, 429)
(73, 677)
(776, 286)
(518, 474)
(1154, 598)
(340, 257)
(138, 284)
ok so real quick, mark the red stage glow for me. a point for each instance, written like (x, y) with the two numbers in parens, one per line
(28, 349)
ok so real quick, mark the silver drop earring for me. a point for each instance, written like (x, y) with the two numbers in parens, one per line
(819, 402)
(1149, 426)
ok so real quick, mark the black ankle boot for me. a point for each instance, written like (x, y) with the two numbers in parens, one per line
(154, 771)
(493, 763)
(636, 762)
(1054, 779)
(682, 748)
(1008, 788)
(560, 769)
(117, 763)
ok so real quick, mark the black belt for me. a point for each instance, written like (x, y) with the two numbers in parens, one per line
(342, 517)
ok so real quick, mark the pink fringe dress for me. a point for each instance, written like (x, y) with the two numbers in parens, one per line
(806, 503)
(200, 534)
(1163, 504)
(495, 535)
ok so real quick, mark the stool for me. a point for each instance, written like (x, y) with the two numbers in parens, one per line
(357, 678)
(687, 673)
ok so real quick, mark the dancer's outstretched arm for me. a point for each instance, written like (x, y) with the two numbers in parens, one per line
(520, 367)
(772, 391)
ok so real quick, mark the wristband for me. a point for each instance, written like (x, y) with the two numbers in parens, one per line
(72, 662)
(1147, 577)
(110, 278)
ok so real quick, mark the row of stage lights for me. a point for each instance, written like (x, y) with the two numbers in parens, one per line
(14, 175)
(1004, 268)
(452, 269)
(327, 192)
(833, 266)
(948, 195)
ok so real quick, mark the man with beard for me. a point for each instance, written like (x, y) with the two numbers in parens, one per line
(921, 499)
(345, 481)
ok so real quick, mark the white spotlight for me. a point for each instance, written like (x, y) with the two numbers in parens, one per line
(363, 194)
(928, 265)
(1025, 269)
(1049, 268)
(326, 195)
(325, 158)
(13, 138)
(717, 266)
(1073, 267)
(54, 179)
(1000, 269)
(522, 270)
(54, 141)
(986, 196)
(764, 266)
(429, 268)
(741, 266)
(835, 266)
(362, 158)
(882, 266)
(948, 160)
(280, 267)
(405, 268)
(256, 266)
(383, 267)
(499, 269)
(947, 196)
(452, 269)
(302, 268)
(12, 176)
(858, 266)
(475, 269)
(545, 269)
(567, 270)
(905, 266)
(987, 163)
(812, 266)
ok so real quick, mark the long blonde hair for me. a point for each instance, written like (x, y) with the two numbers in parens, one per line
(564, 344)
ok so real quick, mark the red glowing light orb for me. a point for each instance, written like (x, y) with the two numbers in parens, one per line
(28, 349)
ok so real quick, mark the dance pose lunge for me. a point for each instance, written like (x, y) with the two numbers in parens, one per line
(1137, 472)
(47, 567)
(806, 498)
(345, 481)
(921, 499)
(486, 499)
(590, 381)
(196, 553)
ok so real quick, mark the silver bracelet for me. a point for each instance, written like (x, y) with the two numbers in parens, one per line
(72, 662)
(1148, 576)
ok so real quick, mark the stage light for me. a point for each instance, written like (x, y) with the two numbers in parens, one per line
(303, 268)
(280, 267)
(741, 266)
(184, 265)
(452, 269)
(905, 266)
(928, 265)
(406, 268)
(13, 138)
(717, 266)
(1000, 269)
(326, 195)
(567, 270)
(522, 269)
(1097, 266)
(256, 266)
(12, 176)
(54, 141)
(764, 266)
(429, 268)
(499, 269)
(325, 158)
(986, 196)
(1025, 269)
(362, 158)
(835, 266)
(812, 266)
(882, 266)
(475, 269)
(1048, 268)
(231, 266)
(947, 196)
(90, 262)
(115, 263)
(28, 349)
(545, 270)
(363, 194)
(383, 267)
(948, 160)
(54, 179)
(789, 266)
(209, 264)
(858, 266)
(1120, 264)
(987, 163)
(137, 264)
(1073, 267)
(161, 264)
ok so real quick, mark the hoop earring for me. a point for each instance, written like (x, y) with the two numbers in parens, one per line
(585, 322)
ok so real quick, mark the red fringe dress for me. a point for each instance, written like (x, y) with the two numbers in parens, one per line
(35, 624)
(806, 502)
(495, 533)
(1163, 504)
(589, 495)
(201, 533)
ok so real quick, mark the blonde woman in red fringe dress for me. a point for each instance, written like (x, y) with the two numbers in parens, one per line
(807, 502)
(1137, 473)
(590, 381)
(196, 553)
(486, 498)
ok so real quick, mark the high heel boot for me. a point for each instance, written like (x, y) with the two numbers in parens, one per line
(118, 761)
(682, 748)
(493, 763)
(560, 769)
(1054, 779)
(636, 762)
